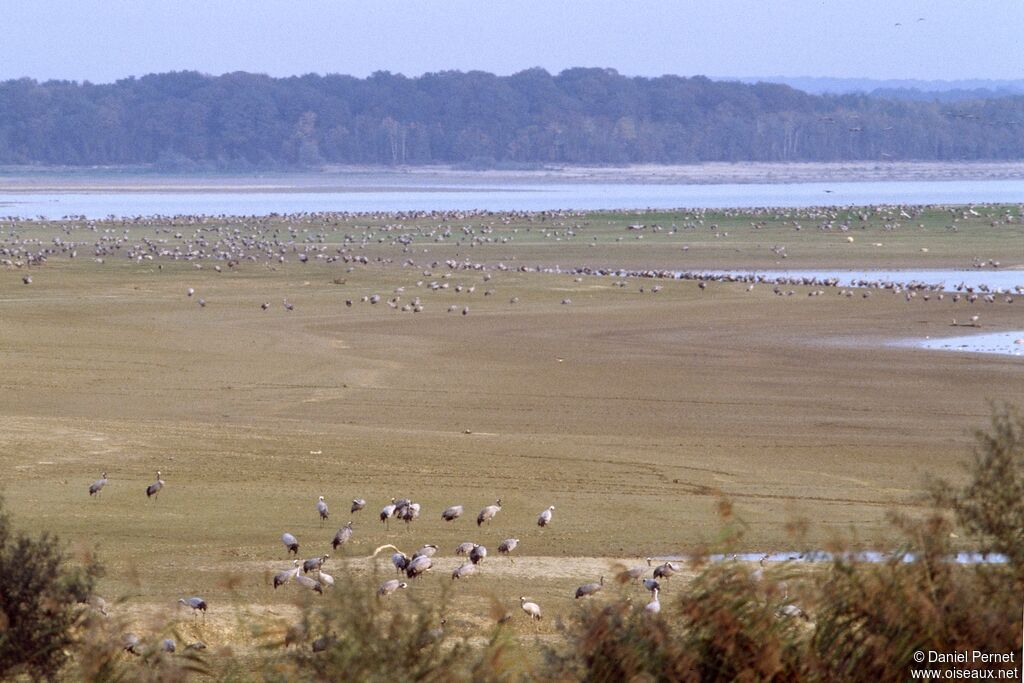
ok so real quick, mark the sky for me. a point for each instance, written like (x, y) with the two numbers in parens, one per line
(104, 40)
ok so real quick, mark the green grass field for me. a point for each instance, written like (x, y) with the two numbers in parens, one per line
(632, 412)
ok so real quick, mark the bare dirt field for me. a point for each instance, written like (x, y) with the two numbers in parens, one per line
(633, 412)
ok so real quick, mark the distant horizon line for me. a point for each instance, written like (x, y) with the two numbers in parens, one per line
(945, 84)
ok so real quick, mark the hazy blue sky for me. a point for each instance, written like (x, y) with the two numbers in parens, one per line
(102, 40)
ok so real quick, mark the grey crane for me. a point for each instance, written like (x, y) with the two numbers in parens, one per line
(196, 645)
(167, 645)
(324, 578)
(532, 609)
(654, 606)
(97, 486)
(507, 546)
(452, 513)
(631, 574)
(390, 586)
(314, 564)
(407, 513)
(588, 589)
(428, 550)
(791, 610)
(488, 513)
(323, 642)
(309, 583)
(131, 643)
(287, 575)
(463, 570)
(400, 560)
(387, 512)
(358, 504)
(290, 542)
(343, 536)
(464, 548)
(652, 585)
(418, 566)
(545, 517)
(195, 603)
(154, 488)
(321, 509)
(665, 571)
(478, 554)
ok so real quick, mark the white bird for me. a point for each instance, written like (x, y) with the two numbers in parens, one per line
(654, 606)
(324, 578)
(545, 517)
(532, 609)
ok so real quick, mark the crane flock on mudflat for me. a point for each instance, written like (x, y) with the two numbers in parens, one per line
(309, 575)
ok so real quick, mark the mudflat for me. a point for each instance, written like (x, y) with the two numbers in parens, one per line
(633, 411)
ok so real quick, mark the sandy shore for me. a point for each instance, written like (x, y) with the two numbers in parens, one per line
(425, 178)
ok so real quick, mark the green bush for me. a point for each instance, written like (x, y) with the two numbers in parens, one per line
(39, 598)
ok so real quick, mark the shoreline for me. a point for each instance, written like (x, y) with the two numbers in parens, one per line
(32, 180)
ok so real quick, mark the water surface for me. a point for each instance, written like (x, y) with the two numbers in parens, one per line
(430, 196)
(1001, 343)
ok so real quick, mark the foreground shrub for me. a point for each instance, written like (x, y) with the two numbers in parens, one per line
(352, 634)
(851, 620)
(39, 602)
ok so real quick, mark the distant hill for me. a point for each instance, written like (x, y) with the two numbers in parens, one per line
(944, 91)
(191, 121)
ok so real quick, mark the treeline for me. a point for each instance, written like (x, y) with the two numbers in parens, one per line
(187, 120)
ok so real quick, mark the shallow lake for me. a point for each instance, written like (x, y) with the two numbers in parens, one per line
(1002, 343)
(423, 196)
(1006, 280)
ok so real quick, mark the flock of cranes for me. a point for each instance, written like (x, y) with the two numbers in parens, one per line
(309, 574)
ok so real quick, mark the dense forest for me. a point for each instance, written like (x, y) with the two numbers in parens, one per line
(187, 120)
